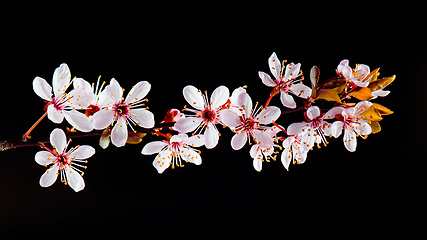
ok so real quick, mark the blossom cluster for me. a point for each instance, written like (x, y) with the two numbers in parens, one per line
(328, 111)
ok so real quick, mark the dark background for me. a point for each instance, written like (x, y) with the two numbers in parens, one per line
(379, 189)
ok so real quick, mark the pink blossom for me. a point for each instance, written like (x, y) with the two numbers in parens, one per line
(62, 104)
(115, 108)
(314, 128)
(63, 162)
(179, 147)
(355, 76)
(286, 82)
(292, 150)
(259, 153)
(206, 113)
(249, 123)
(351, 121)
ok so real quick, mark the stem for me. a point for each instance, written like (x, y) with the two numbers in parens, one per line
(27, 134)
(27, 142)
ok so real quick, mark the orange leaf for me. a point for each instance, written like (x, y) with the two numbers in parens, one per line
(361, 93)
(328, 95)
(135, 138)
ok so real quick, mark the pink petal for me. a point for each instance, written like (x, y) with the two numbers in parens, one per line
(361, 107)
(275, 65)
(102, 118)
(262, 138)
(238, 141)
(75, 180)
(313, 112)
(343, 63)
(266, 79)
(296, 128)
(268, 115)
(335, 129)
(142, 116)
(58, 139)
(44, 157)
(78, 120)
(83, 152)
(332, 112)
(49, 177)
(187, 124)
(194, 97)
(230, 118)
(153, 147)
(287, 100)
(119, 134)
(61, 79)
(54, 115)
(346, 72)
(245, 102)
(211, 136)
(219, 96)
(42, 88)
(257, 163)
(138, 92)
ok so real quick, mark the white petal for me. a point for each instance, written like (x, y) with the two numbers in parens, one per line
(44, 157)
(61, 79)
(268, 115)
(161, 162)
(230, 118)
(335, 129)
(75, 180)
(300, 90)
(138, 92)
(313, 112)
(115, 90)
(350, 142)
(105, 99)
(262, 138)
(81, 98)
(219, 96)
(346, 72)
(364, 128)
(296, 128)
(142, 116)
(257, 164)
(102, 118)
(190, 156)
(195, 141)
(236, 94)
(287, 100)
(275, 65)
(286, 157)
(266, 79)
(361, 107)
(342, 64)
(49, 177)
(238, 141)
(255, 150)
(292, 70)
(332, 112)
(119, 134)
(244, 101)
(153, 147)
(80, 83)
(83, 152)
(58, 139)
(178, 138)
(78, 120)
(185, 125)
(194, 97)
(211, 136)
(54, 115)
(42, 88)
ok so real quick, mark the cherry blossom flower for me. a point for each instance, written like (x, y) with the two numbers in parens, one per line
(249, 123)
(178, 147)
(206, 113)
(63, 162)
(259, 154)
(353, 123)
(286, 82)
(355, 76)
(114, 108)
(311, 130)
(62, 104)
(292, 150)
(232, 101)
(93, 106)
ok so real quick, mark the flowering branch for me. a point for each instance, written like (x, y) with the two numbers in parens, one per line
(104, 111)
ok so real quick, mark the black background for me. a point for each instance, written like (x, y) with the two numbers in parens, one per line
(380, 187)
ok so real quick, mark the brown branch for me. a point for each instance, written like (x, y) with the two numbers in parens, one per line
(25, 142)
